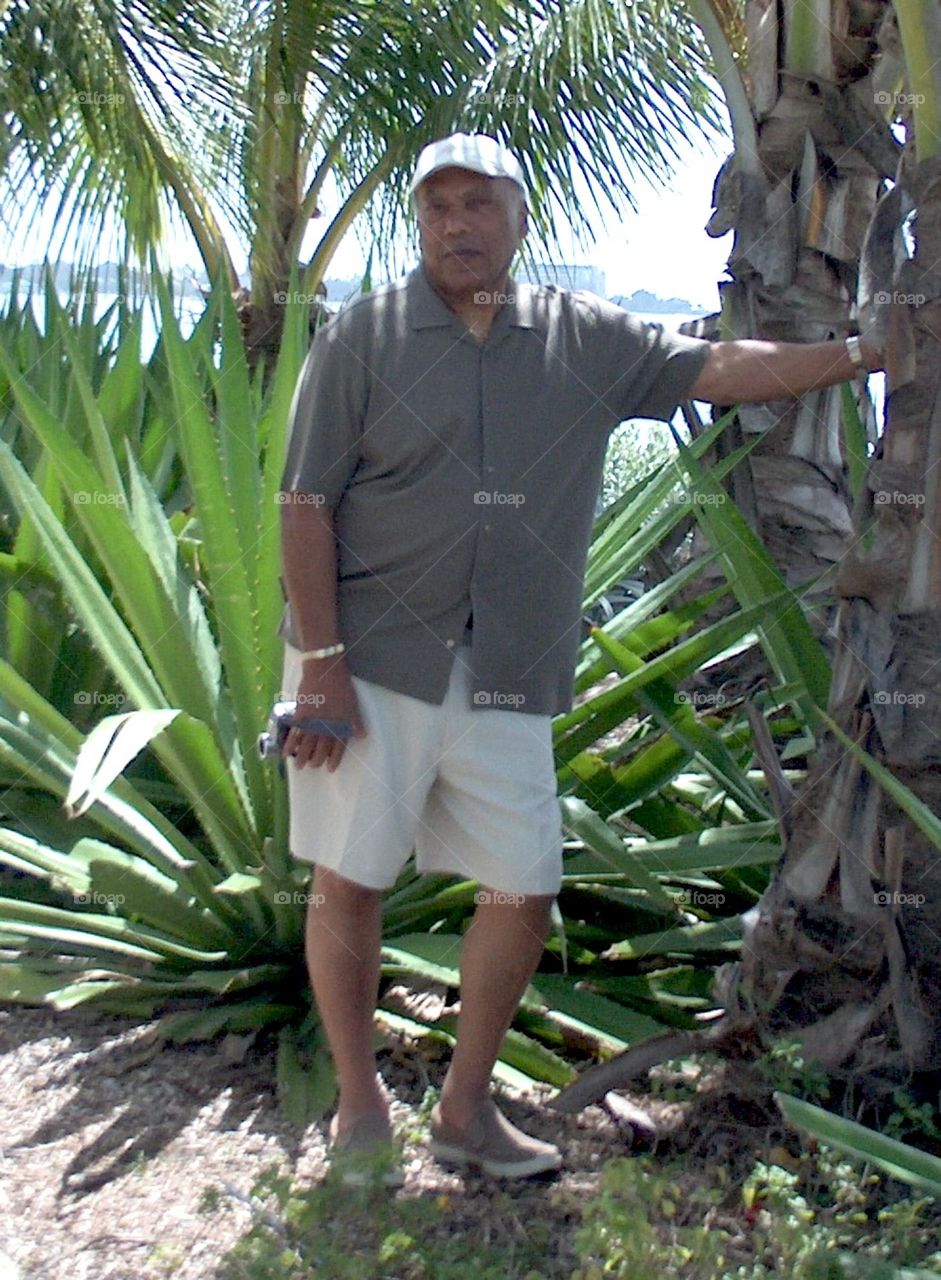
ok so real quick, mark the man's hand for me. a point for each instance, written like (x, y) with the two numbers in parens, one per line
(325, 692)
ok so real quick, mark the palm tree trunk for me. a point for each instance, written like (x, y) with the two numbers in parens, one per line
(845, 940)
(844, 943)
(811, 151)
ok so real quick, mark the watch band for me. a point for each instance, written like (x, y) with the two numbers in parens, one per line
(855, 353)
(323, 653)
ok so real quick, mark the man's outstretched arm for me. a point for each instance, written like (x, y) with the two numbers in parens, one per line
(750, 371)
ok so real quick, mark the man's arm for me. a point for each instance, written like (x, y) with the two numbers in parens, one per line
(309, 557)
(749, 371)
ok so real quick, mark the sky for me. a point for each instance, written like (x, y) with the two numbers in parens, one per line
(662, 248)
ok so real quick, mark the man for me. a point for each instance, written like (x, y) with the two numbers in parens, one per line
(448, 436)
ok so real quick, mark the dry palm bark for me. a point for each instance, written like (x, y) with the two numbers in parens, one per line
(845, 940)
(812, 148)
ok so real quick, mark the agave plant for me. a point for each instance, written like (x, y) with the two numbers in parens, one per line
(172, 607)
(898, 1159)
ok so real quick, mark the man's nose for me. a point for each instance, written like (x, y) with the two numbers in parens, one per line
(455, 221)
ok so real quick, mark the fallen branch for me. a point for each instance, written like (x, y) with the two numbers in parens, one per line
(593, 1084)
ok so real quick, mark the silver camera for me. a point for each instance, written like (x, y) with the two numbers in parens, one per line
(271, 742)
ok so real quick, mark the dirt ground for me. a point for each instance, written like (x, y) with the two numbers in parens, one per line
(108, 1148)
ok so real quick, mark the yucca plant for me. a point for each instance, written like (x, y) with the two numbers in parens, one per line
(174, 585)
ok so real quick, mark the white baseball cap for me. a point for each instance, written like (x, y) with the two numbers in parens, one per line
(474, 151)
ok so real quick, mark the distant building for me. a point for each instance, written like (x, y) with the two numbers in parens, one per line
(652, 304)
(567, 275)
(341, 291)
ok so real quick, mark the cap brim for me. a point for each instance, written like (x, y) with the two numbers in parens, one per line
(419, 178)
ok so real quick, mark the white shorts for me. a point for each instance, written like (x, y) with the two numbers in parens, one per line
(471, 790)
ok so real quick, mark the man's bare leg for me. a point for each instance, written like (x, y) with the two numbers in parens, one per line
(343, 940)
(500, 953)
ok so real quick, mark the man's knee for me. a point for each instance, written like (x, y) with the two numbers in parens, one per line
(329, 887)
(533, 907)
(540, 906)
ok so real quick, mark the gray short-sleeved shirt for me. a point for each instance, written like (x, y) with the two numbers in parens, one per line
(463, 476)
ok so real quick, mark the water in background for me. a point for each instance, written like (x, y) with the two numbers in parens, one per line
(190, 308)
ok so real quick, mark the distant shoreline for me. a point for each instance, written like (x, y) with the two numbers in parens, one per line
(338, 290)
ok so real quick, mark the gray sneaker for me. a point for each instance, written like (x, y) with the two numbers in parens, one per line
(366, 1153)
(491, 1143)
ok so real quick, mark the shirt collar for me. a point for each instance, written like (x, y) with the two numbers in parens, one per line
(428, 310)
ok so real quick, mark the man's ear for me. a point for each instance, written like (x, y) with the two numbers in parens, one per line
(524, 220)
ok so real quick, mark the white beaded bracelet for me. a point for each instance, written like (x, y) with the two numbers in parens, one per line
(323, 653)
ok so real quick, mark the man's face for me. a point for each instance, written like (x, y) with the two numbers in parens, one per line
(470, 227)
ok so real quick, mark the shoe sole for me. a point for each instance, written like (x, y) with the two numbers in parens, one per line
(495, 1168)
(352, 1178)
(338, 1157)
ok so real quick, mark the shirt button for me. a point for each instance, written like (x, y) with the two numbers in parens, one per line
(450, 644)
(486, 528)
